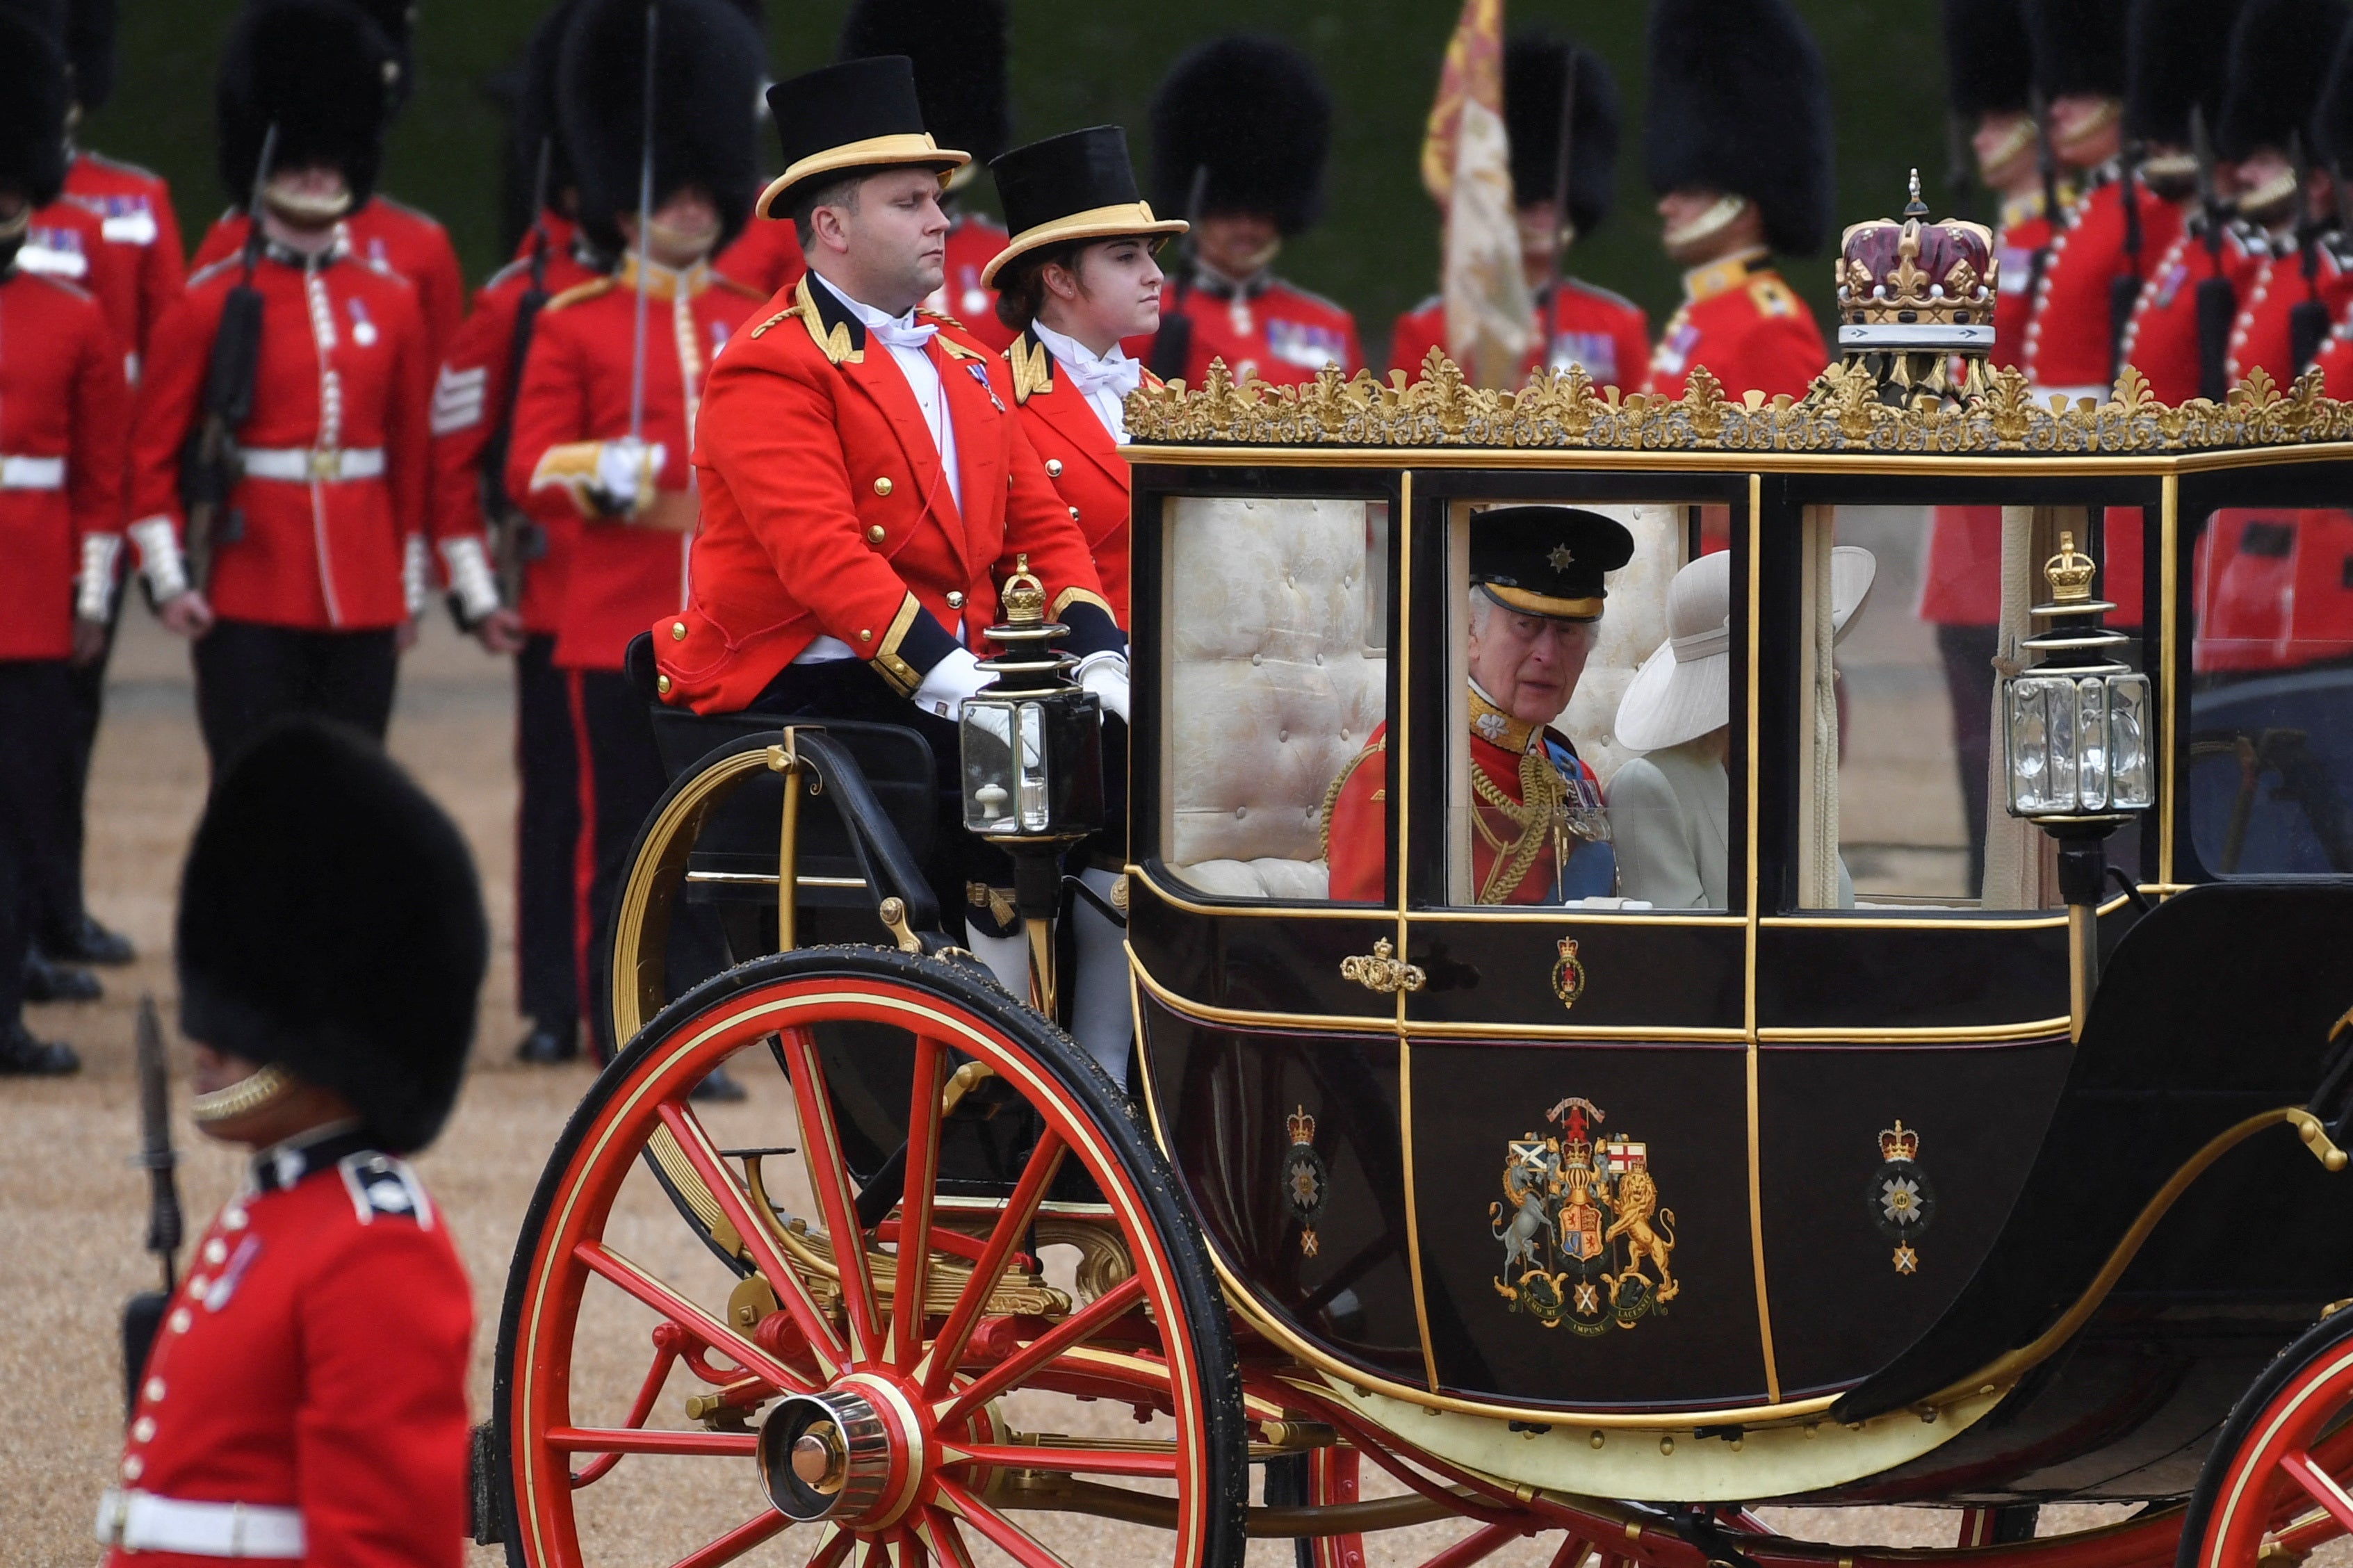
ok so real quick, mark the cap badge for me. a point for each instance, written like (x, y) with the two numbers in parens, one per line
(1562, 558)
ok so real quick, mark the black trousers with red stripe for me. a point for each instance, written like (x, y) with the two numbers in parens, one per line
(35, 799)
(551, 936)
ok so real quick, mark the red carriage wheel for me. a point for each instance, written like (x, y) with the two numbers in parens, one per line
(2279, 1480)
(876, 1352)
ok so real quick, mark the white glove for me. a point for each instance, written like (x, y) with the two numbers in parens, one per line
(953, 679)
(1105, 675)
(626, 472)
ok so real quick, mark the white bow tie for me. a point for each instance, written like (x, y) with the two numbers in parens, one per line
(1117, 376)
(905, 333)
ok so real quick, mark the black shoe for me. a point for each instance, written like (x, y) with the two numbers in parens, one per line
(545, 1046)
(47, 982)
(718, 1089)
(88, 942)
(21, 1055)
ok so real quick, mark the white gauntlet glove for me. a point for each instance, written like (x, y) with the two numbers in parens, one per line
(953, 679)
(1105, 675)
(626, 472)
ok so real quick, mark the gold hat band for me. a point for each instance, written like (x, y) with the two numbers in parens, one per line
(1115, 222)
(1521, 599)
(875, 152)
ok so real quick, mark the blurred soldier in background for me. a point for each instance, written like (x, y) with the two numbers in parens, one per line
(1240, 130)
(2333, 128)
(63, 409)
(1737, 145)
(1560, 111)
(1989, 82)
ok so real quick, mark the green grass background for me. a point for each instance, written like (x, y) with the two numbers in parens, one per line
(1084, 62)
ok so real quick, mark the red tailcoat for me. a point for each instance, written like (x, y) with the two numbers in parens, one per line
(63, 403)
(577, 388)
(825, 513)
(475, 385)
(2161, 339)
(2067, 334)
(1268, 327)
(1604, 334)
(2024, 231)
(314, 1359)
(973, 242)
(766, 256)
(2262, 335)
(390, 233)
(343, 367)
(1081, 458)
(2272, 588)
(1746, 326)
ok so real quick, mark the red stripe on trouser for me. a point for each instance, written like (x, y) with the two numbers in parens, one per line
(584, 843)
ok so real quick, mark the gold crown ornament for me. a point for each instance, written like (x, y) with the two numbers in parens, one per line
(2069, 573)
(1301, 1126)
(1023, 598)
(1915, 302)
(1898, 1143)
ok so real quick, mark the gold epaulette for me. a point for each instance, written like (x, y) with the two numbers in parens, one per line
(787, 314)
(1032, 367)
(580, 291)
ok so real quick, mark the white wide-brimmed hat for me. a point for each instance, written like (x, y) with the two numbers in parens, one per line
(1684, 689)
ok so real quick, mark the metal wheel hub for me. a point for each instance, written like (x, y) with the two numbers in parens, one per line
(825, 1456)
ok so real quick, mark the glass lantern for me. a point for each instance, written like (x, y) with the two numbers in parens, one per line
(1031, 739)
(2075, 727)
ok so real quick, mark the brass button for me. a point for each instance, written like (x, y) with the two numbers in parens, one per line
(882, 486)
(874, 535)
(1075, 515)
(864, 635)
(1053, 468)
(955, 599)
(678, 631)
(661, 684)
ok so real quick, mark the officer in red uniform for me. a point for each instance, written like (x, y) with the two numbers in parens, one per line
(1988, 78)
(305, 604)
(1737, 145)
(866, 482)
(304, 1397)
(63, 407)
(2115, 230)
(1240, 130)
(1577, 323)
(1539, 833)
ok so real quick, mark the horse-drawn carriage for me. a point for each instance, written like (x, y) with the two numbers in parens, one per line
(1953, 1156)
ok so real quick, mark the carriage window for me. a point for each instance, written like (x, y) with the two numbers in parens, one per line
(1277, 706)
(1910, 612)
(2271, 696)
(1583, 772)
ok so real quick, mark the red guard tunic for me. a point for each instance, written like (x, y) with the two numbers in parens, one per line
(63, 414)
(2272, 589)
(973, 241)
(2264, 334)
(338, 423)
(577, 388)
(1079, 457)
(1267, 328)
(1962, 584)
(2161, 338)
(2024, 231)
(138, 271)
(311, 1366)
(390, 233)
(1742, 323)
(825, 513)
(1606, 335)
(2067, 334)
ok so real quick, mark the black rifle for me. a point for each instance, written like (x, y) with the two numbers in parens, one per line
(2218, 303)
(1548, 319)
(2046, 166)
(143, 1313)
(2123, 290)
(2307, 319)
(1172, 345)
(517, 541)
(209, 468)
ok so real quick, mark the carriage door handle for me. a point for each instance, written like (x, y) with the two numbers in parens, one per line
(1380, 970)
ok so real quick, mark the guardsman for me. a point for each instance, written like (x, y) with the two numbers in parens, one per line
(601, 439)
(63, 406)
(307, 595)
(1539, 834)
(2115, 230)
(2333, 137)
(958, 50)
(1737, 145)
(2179, 334)
(304, 1397)
(1241, 131)
(1988, 80)
(866, 481)
(2280, 55)
(472, 414)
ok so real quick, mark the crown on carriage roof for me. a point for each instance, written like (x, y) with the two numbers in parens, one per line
(1916, 284)
(1898, 1143)
(1302, 1126)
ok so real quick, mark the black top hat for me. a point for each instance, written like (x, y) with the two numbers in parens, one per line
(34, 96)
(859, 114)
(323, 73)
(1740, 103)
(1077, 186)
(1536, 67)
(1546, 560)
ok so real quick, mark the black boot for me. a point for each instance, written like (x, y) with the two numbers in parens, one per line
(88, 941)
(549, 1043)
(47, 982)
(22, 1056)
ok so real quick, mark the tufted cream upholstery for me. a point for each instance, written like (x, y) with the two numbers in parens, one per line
(1272, 688)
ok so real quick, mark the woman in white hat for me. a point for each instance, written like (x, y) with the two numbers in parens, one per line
(1669, 808)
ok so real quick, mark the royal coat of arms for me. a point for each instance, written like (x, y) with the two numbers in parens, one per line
(1584, 1240)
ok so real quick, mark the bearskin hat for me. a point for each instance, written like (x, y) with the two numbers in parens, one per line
(1252, 115)
(89, 45)
(2079, 46)
(48, 15)
(534, 120)
(2175, 56)
(2332, 122)
(319, 71)
(958, 50)
(2279, 55)
(396, 20)
(330, 922)
(707, 69)
(1988, 61)
(1740, 103)
(1536, 67)
(35, 91)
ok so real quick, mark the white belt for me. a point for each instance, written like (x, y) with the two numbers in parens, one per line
(301, 463)
(142, 1521)
(32, 473)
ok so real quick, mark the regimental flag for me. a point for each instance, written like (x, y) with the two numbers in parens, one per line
(1466, 165)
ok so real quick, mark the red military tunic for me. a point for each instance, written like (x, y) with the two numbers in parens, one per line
(391, 234)
(2264, 334)
(1746, 325)
(340, 392)
(825, 512)
(1604, 334)
(139, 269)
(1081, 458)
(1267, 328)
(973, 242)
(621, 575)
(2161, 337)
(474, 386)
(1962, 584)
(63, 414)
(765, 257)
(2067, 336)
(2024, 231)
(2272, 589)
(311, 1366)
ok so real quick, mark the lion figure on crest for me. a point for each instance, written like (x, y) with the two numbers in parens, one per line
(1637, 1200)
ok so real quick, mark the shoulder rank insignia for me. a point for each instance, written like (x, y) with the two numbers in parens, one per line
(381, 1187)
(1032, 367)
(1304, 1178)
(1903, 1204)
(1586, 1242)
